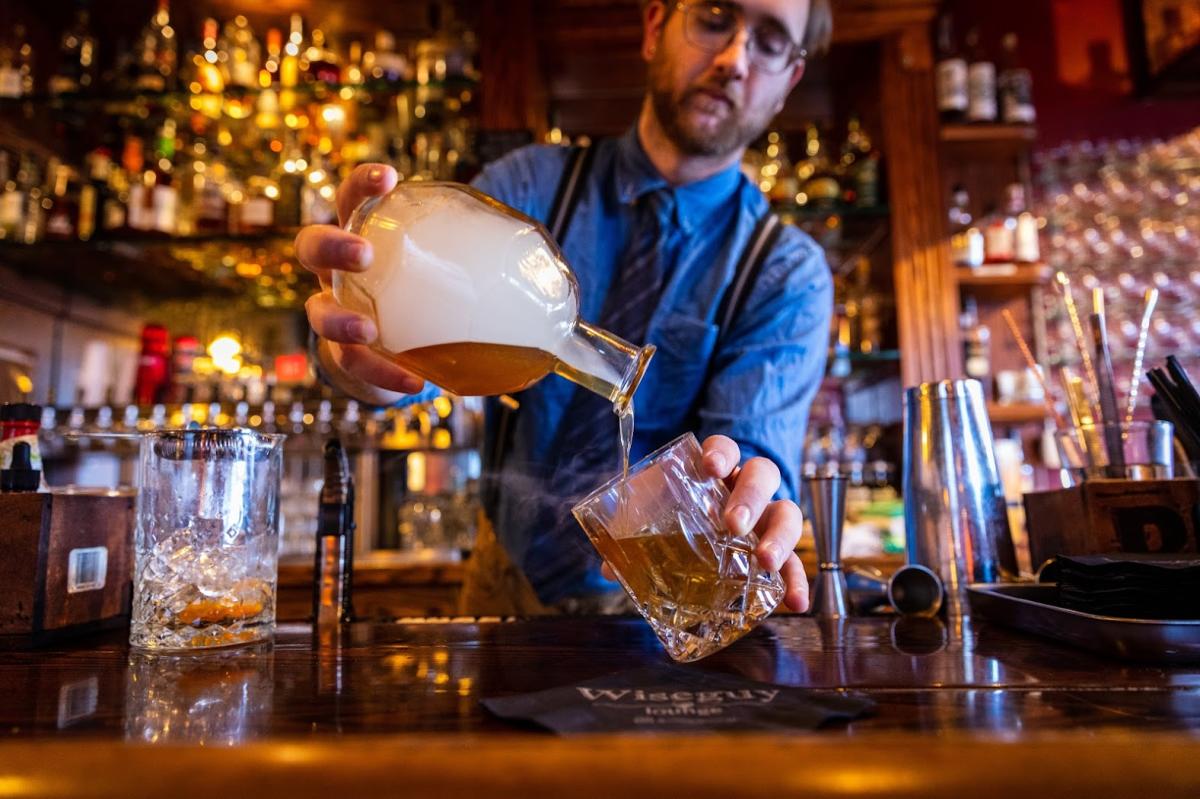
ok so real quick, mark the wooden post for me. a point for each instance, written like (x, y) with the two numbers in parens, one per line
(926, 292)
(512, 92)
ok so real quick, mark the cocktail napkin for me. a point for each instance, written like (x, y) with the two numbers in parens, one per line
(676, 699)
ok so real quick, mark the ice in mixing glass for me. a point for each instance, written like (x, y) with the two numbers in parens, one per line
(206, 546)
(197, 589)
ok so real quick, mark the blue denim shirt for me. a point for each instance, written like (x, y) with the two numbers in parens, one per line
(765, 370)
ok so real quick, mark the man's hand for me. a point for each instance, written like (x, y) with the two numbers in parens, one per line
(346, 335)
(777, 523)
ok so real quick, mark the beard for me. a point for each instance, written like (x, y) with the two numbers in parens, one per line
(736, 129)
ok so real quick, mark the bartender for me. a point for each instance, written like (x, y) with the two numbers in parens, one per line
(662, 229)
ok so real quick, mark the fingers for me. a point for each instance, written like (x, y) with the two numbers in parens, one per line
(781, 527)
(321, 248)
(756, 483)
(721, 456)
(373, 369)
(333, 322)
(796, 595)
(367, 180)
(607, 572)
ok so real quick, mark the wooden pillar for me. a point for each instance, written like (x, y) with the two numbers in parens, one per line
(926, 291)
(512, 94)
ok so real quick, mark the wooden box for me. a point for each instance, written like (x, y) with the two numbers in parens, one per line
(1113, 516)
(67, 564)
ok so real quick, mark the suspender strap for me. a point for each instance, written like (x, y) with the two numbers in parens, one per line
(762, 241)
(566, 199)
(570, 187)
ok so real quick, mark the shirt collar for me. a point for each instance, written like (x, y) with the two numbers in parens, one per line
(691, 204)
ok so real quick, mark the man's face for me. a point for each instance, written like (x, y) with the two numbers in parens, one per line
(715, 103)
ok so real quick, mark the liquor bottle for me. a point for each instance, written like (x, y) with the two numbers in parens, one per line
(981, 82)
(333, 568)
(107, 182)
(76, 56)
(290, 181)
(1026, 247)
(256, 212)
(966, 240)
(316, 194)
(153, 371)
(165, 195)
(851, 151)
(139, 206)
(266, 112)
(289, 67)
(977, 345)
(322, 62)
(24, 59)
(352, 70)
(839, 348)
(859, 167)
(386, 64)
(62, 216)
(271, 64)
(139, 210)
(869, 336)
(157, 52)
(952, 97)
(866, 181)
(189, 180)
(821, 188)
(34, 218)
(10, 71)
(211, 210)
(999, 236)
(1015, 86)
(243, 55)
(777, 177)
(209, 70)
(88, 209)
(12, 200)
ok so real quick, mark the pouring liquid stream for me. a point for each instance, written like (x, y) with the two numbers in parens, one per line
(625, 424)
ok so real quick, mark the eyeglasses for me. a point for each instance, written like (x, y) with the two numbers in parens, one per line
(712, 27)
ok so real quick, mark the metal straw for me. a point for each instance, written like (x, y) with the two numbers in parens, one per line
(1081, 414)
(1135, 380)
(1064, 283)
(1047, 395)
(1109, 417)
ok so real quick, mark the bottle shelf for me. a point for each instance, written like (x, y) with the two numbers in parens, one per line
(866, 366)
(989, 134)
(882, 356)
(1004, 278)
(1016, 413)
(315, 88)
(810, 212)
(163, 268)
(148, 239)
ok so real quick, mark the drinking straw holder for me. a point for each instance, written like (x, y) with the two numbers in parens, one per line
(1096, 516)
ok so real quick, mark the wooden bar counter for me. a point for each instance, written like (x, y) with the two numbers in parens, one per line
(966, 710)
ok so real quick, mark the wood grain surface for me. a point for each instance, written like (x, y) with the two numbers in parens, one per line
(962, 710)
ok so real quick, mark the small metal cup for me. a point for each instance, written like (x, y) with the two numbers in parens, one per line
(827, 498)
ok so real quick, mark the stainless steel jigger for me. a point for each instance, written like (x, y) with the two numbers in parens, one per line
(827, 513)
